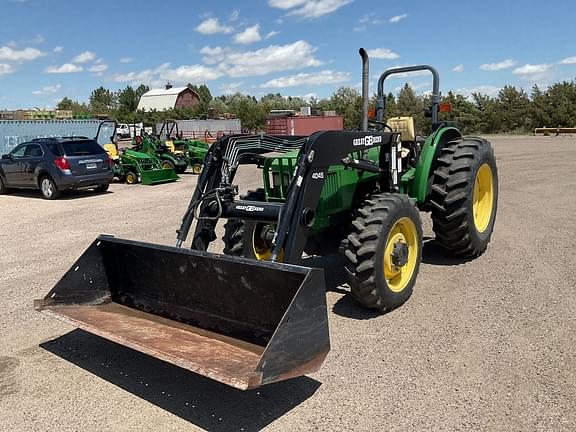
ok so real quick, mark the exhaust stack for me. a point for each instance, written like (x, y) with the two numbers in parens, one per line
(365, 84)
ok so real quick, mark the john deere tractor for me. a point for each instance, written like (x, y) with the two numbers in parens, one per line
(193, 151)
(257, 314)
(132, 166)
(151, 145)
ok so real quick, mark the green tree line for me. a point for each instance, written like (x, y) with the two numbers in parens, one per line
(512, 110)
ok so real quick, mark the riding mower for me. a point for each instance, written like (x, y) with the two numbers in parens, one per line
(257, 314)
(132, 166)
(151, 145)
(192, 150)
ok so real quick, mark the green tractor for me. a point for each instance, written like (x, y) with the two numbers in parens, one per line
(257, 314)
(132, 166)
(151, 145)
(193, 151)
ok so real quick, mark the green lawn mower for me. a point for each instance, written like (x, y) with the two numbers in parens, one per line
(257, 313)
(193, 151)
(132, 166)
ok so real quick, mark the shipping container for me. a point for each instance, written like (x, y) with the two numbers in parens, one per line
(302, 125)
(14, 132)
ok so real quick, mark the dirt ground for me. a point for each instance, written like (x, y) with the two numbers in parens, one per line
(488, 344)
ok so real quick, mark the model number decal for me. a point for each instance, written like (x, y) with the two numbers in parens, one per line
(250, 208)
(318, 175)
(367, 141)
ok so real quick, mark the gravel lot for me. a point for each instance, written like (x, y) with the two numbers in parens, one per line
(485, 345)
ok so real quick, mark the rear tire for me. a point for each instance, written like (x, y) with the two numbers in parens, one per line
(3, 188)
(102, 188)
(196, 168)
(48, 188)
(464, 197)
(384, 251)
(167, 164)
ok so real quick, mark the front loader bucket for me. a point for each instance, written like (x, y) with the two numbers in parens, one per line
(241, 322)
(156, 176)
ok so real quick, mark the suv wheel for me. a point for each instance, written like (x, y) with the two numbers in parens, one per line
(3, 188)
(102, 188)
(48, 188)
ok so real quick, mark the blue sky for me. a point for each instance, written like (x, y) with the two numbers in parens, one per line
(55, 48)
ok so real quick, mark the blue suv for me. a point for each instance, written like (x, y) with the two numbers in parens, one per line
(54, 165)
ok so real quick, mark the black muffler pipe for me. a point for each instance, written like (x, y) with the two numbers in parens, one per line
(365, 85)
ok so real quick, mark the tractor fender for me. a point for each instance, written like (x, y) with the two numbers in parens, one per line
(426, 165)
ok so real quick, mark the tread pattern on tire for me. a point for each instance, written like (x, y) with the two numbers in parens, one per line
(363, 244)
(451, 196)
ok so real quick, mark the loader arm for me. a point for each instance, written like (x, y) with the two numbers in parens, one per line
(214, 194)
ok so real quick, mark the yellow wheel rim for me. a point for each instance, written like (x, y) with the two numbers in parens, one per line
(402, 233)
(197, 169)
(262, 250)
(483, 197)
(166, 165)
(130, 179)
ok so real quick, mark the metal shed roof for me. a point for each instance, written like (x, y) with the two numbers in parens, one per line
(160, 99)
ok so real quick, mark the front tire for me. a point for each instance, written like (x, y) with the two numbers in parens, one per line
(464, 197)
(384, 251)
(48, 188)
(247, 238)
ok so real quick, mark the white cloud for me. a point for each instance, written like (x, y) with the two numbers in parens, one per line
(231, 88)
(234, 15)
(191, 73)
(48, 90)
(285, 4)
(397, 18)
(248, 36)
(213, 26)
(304, 79)
(488, 90)
(568, 60)
(98, 68)
(458, 69)
(65, 68)
(271, 34)
(84, 57)
(533, 72)
(220, 62)
(383, 53)
(504, 64)
(274, 58)
(126, 60)
(6, 69)
(309, 8)
(26, 54)
(58, 49)
(180, 75)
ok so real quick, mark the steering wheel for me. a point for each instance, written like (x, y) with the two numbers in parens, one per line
(380, 125)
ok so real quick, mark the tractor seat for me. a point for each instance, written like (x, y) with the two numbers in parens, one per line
(404, 125)
(112, 151)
